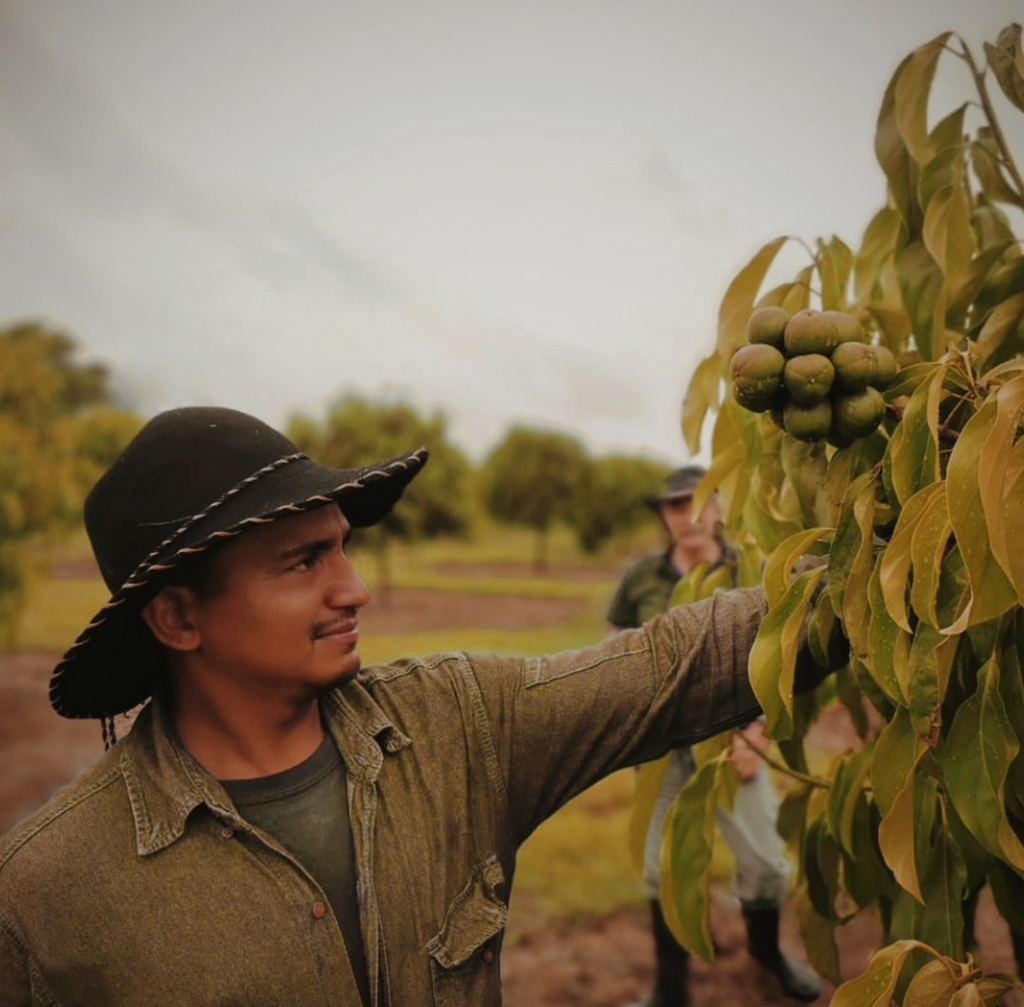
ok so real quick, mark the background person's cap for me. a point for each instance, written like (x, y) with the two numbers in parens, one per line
(679, 484)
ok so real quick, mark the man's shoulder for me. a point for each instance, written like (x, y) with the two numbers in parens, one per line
(72, 812)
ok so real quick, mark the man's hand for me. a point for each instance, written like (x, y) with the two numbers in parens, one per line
(745, 749)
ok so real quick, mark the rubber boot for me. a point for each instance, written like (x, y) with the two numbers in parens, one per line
(797, 979)
(672, 967)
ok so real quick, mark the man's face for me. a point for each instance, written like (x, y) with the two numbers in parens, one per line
(686, 528)
(280, 609)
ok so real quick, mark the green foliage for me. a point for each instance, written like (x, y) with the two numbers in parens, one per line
(922, 522)
(358, 431)
(611, 499)
(58, 432)
(532, 477)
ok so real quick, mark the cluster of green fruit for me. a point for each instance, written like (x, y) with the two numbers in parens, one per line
(814, 373)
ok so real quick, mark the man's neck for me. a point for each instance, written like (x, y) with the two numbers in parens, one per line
(684, 558)
(247, 739)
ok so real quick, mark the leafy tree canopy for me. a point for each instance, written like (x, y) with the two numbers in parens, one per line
(612, 497)
(358, 431)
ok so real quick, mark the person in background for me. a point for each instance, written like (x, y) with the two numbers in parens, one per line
(762, 871)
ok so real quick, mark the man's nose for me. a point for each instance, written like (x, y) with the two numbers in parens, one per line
(346, 588)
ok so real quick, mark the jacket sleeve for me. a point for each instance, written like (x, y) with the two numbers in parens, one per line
(15, 985)
(562, 722)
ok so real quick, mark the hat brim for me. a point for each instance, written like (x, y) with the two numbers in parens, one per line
(655, 502)
(113, 665)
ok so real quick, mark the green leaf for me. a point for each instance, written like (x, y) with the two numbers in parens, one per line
(852, 553)
(773, 655)
(927, 549)
(893, 156)
(948, 234)
(932, 986)
(865, 876)
(926, 678)
(936, 918)
(1007, 63)
(922, 287)
(701, 395)
(897, 752)
(975, 760)
(1003, 320)
(888, 644)
(805, 466)
(988, 166)
(687, 842)
(994, 467)
(972, 480)
(779, 566)
(877, 247)
(1013, 516)
(738, 303)
(821, 868)
(913, 86)
(897, 832)
(835, 261)
(649, 778)
(893, 323)
(978, 273)
(874, 986)
(819, 938)
(913, 455)
(847, 789)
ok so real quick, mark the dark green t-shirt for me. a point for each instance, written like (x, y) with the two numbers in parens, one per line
(305, 809)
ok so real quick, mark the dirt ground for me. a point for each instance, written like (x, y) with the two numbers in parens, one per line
(603, 962)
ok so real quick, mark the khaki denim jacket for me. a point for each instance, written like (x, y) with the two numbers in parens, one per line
(139, 885)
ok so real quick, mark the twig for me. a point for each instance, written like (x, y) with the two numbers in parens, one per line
(779, 767)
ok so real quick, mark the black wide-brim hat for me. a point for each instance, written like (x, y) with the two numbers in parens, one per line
(189, 480)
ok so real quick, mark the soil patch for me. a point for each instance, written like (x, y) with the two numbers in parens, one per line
(411, 610)
(513, 569)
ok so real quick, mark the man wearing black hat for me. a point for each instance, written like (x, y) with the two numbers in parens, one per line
(762, 872)
(280, 827)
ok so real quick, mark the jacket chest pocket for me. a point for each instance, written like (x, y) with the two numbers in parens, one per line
(465, 955)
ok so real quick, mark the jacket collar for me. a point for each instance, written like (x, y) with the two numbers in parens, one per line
(166, 783)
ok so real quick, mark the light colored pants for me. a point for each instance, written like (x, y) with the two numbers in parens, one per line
(762, 871)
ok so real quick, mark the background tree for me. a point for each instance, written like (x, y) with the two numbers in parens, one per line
(59, 428)
(532, 477)
(921, 522)
(611, 499)
(358, 431)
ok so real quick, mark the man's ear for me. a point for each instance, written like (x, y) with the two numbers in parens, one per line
(169, 617)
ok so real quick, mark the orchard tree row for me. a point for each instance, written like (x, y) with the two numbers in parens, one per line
(60, 427)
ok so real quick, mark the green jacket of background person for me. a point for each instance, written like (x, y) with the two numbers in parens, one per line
(280, 827)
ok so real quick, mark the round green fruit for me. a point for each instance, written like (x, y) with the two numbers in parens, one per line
(767, 325)
(847, 327)
(885, 367)
(808, 378)
(756, 373)
(808, 423)
(855, 366)
(858, 413)
(808, 332)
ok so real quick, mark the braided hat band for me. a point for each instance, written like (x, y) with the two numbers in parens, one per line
(114, 663)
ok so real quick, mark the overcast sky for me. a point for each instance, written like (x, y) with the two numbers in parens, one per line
(514, 212)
